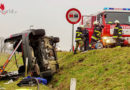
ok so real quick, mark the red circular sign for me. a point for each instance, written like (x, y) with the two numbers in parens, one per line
(73, 16)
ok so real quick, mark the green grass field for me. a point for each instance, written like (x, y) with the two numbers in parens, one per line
(12, 67)
(106, 69)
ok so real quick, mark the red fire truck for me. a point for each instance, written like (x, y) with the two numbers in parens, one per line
(107, 18)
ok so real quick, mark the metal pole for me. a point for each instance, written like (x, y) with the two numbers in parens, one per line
(8, 60)
(73, 84)
(72, 36)
(26, 68)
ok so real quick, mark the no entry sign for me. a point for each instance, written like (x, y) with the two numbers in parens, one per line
(73, 16)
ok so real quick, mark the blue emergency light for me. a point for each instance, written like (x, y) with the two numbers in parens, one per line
(116, 8)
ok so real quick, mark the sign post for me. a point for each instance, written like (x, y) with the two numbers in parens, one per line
(72, 37)
(73, 16)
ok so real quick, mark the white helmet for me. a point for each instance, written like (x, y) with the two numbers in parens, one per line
(96, 23)
(82, 26)
(117, 21)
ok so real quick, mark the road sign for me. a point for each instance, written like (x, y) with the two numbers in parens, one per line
(73, 16)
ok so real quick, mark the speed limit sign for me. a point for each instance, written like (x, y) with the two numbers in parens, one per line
(73, 16)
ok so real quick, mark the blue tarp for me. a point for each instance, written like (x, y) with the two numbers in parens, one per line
(41, 80)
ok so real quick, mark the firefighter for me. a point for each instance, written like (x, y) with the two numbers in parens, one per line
(117, 35)
(79, 39)
(96, 34)
(85, 39)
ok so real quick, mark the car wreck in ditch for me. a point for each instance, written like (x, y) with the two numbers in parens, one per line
(38, 52)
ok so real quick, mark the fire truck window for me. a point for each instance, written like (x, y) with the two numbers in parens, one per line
(87, 22)
(129, 18)
(123, 17)
(99, 18)
(105, 15)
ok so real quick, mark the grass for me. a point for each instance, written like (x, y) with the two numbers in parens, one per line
(106, 69)
(12, 67)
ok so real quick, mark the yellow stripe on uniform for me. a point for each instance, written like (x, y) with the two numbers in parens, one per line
(114, 36)
(78, 39)
(116, 28)
(120, 32)
(120, 29)
(94, 38)
(79, 32)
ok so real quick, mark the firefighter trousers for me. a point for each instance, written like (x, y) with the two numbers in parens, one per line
(79, 43)
(86, 44)
(118, 41)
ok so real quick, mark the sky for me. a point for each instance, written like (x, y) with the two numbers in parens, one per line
(50, 15)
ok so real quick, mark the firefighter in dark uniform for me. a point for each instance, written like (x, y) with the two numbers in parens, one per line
(79, 39)
(96, 34)
(86, 39)
(117, 35)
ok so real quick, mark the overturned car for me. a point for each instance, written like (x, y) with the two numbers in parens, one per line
(38, 52)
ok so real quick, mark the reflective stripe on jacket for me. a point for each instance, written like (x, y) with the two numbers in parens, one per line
(97, 33)
(78, 35)
(117, 31)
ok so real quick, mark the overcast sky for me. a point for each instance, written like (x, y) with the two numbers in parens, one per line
(50, 15)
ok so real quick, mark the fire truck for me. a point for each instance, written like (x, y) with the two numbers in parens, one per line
(107, 18)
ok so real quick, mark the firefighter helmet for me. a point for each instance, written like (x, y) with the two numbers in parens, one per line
(96, 23)
(117, 21)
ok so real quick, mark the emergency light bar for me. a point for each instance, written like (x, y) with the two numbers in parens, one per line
(117, 9)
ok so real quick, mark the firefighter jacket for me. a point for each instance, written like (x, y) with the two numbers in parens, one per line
(79, 35)
(97, 32)
(85, 34)
(117, 31)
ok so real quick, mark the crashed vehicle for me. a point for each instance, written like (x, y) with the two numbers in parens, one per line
(36, 48)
